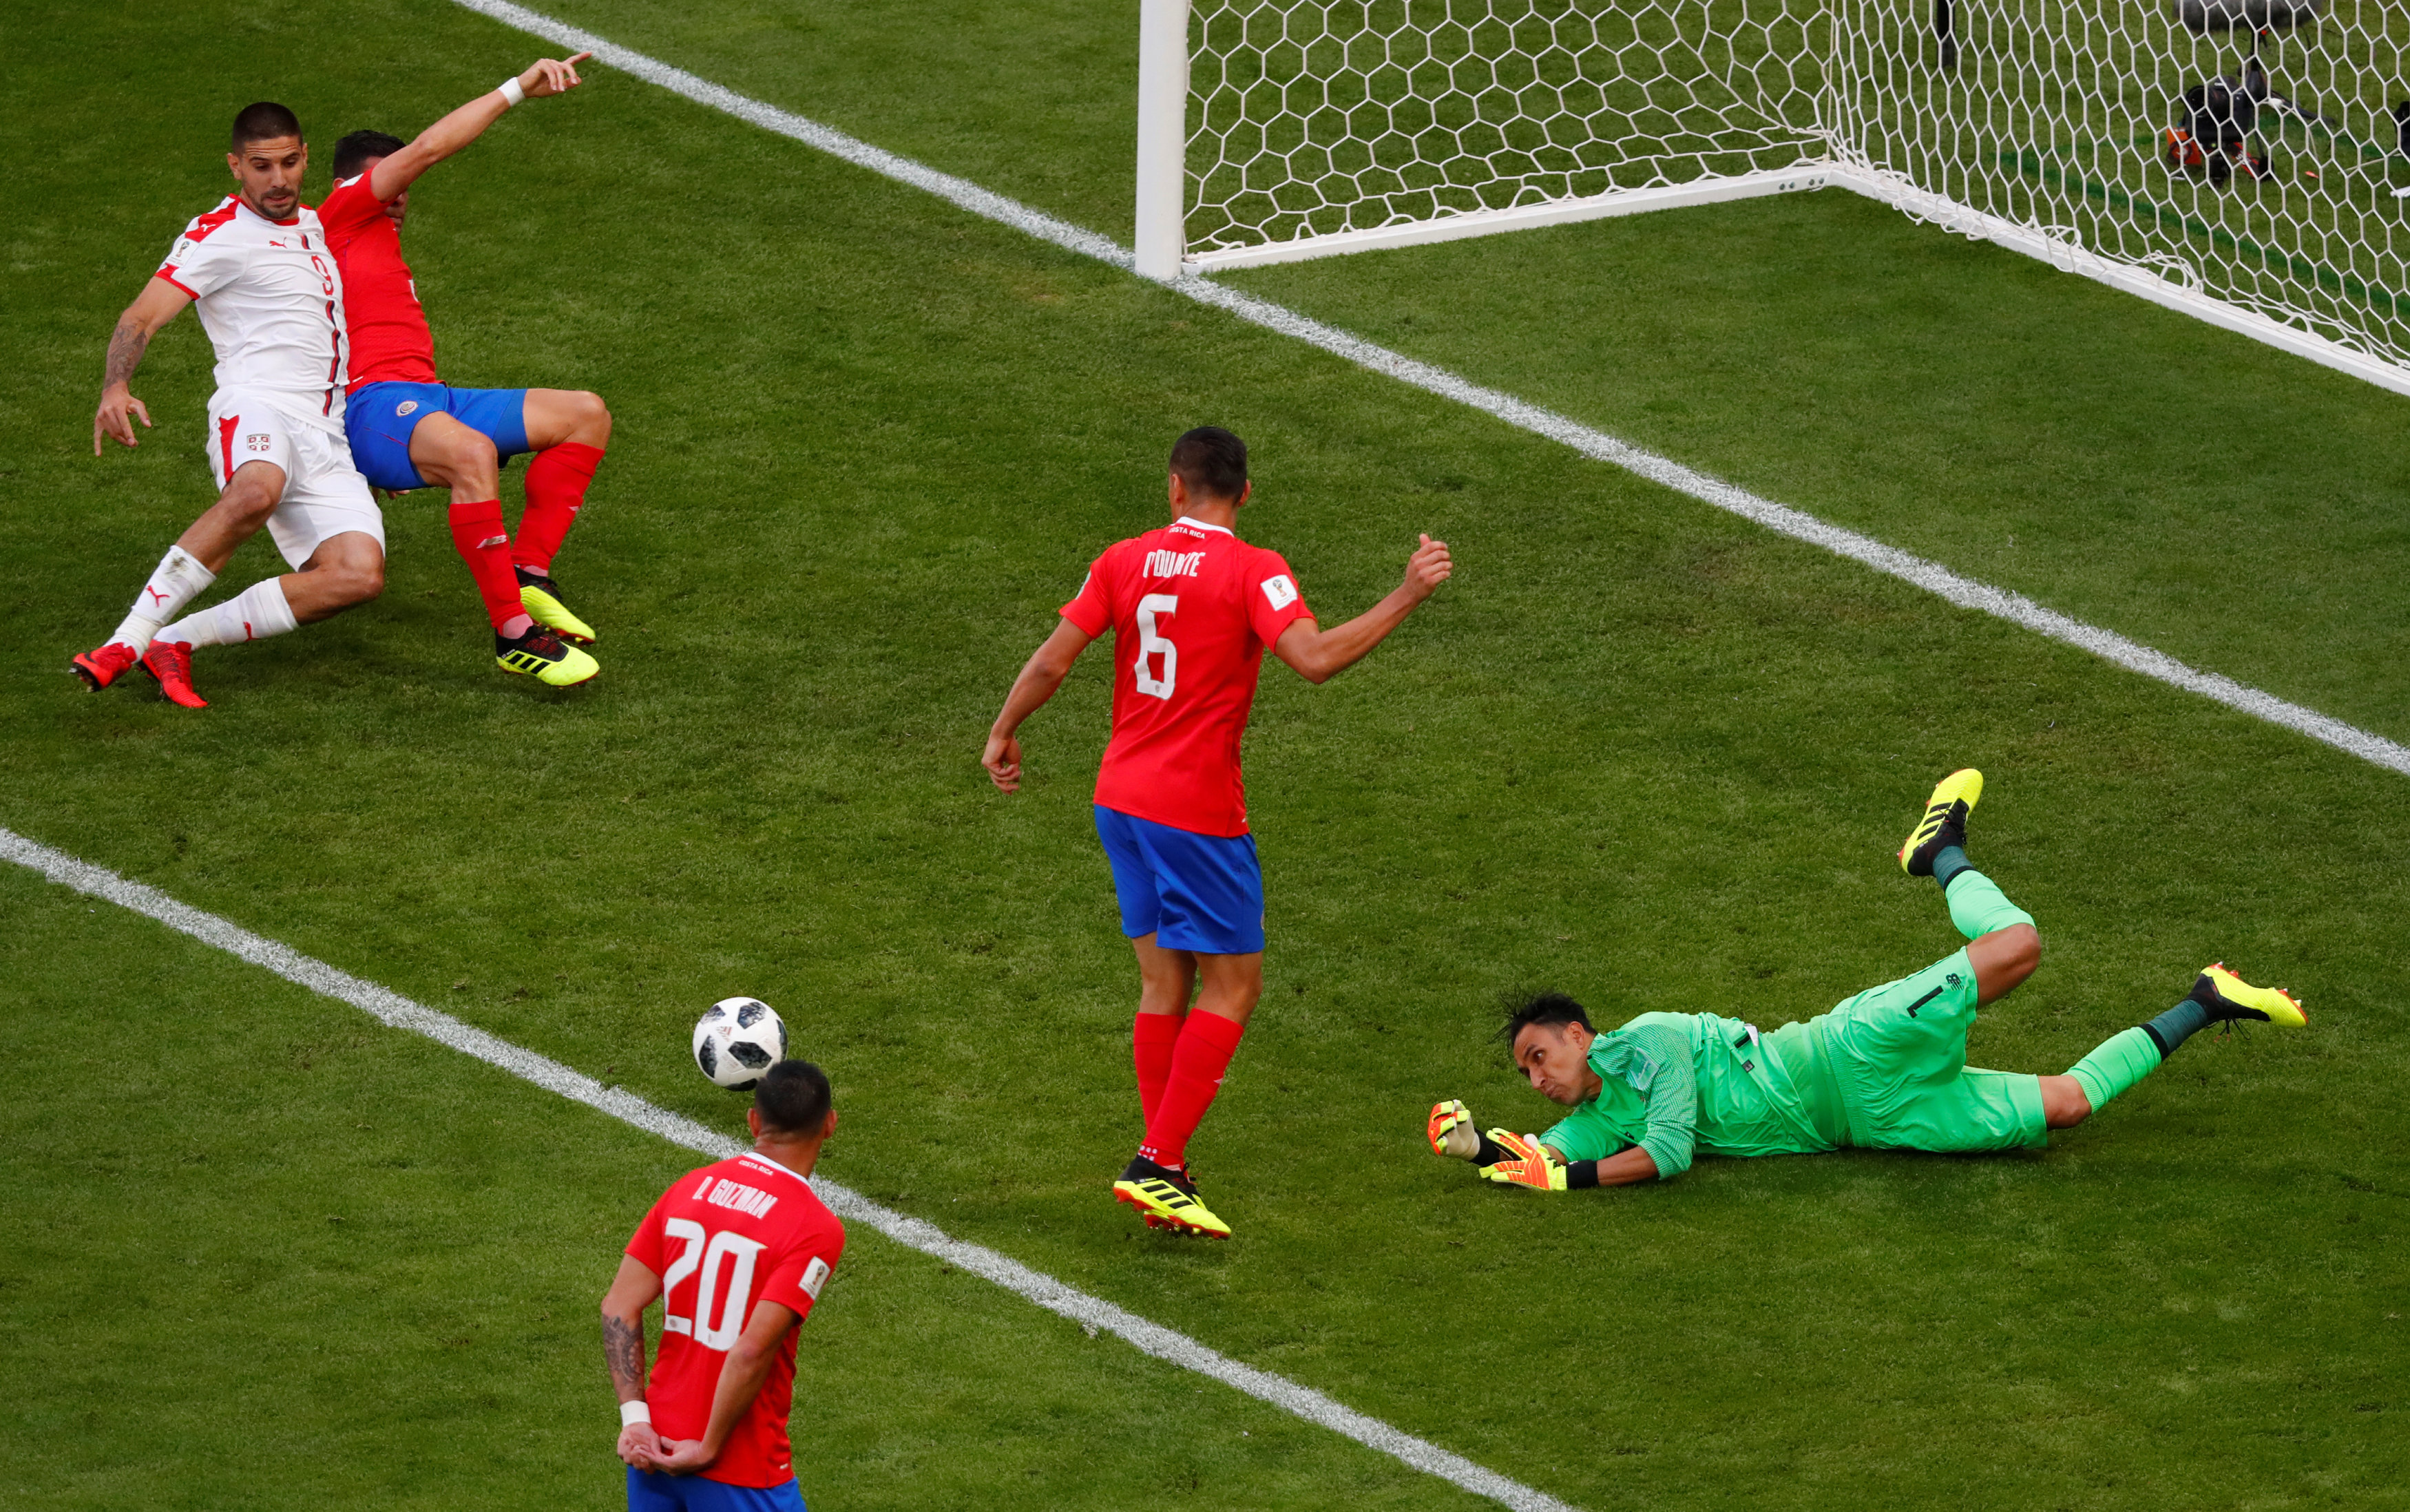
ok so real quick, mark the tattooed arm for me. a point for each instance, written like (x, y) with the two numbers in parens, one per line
(623, 1350)
(161, 303)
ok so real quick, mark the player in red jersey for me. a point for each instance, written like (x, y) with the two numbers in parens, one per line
(738, 1252)
(407, 429)
(1192, 608)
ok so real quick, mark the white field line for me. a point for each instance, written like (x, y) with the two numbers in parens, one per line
(1096, 1314)
(1931, 576)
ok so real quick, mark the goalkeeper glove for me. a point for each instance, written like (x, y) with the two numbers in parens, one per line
(1528, 1163)
(1450, 1131)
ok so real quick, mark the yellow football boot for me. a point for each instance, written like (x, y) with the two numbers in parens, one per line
(1167, 1200)
(540, 596)
(1944, 824)
(542, 655)
(2229, 996)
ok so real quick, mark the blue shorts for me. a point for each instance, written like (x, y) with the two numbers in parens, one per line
(1191, 892)
(649, 1491)
(379, 417)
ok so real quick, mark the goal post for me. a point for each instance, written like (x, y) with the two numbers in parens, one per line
(2239, 160)
(1160, 240)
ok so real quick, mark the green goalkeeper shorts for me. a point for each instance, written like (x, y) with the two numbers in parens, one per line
(1897, 1053)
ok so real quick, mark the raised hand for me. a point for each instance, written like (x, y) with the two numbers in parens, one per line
(552, 76)
(1427, 568)
(1450, 1131)
(1528, 1163)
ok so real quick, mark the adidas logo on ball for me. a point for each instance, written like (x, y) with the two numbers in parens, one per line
(736, 1039)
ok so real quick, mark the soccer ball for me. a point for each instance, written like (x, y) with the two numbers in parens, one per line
(736, 1039)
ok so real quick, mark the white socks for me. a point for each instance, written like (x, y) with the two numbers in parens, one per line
(179, 577)
(254, 614)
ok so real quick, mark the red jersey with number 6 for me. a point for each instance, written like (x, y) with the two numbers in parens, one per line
(722, 1239)
(1191, 607)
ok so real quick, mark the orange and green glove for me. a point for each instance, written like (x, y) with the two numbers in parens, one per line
(1450, 1131)
(1528, 1163)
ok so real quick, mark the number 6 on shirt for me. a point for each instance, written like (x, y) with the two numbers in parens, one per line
(1151, 640)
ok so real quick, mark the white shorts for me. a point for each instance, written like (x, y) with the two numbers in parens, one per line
(324, 493)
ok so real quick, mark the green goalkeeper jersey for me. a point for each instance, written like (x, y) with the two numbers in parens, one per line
(1678, 1084)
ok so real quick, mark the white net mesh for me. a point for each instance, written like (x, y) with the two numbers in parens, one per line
(2275, 194)
(1309, 117)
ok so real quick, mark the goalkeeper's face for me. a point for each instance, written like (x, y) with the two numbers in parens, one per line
(1556, 1056)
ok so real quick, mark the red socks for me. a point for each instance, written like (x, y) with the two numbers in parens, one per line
(478, 535)
(1151, 1042)
(555, 491)
(1207, 1042)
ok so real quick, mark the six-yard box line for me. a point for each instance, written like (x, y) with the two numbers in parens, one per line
(1093, 1314)
(1597, 444)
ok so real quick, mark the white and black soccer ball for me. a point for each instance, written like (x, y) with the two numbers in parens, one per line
(736, 1039)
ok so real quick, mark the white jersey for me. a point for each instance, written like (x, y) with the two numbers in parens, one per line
(272, 302)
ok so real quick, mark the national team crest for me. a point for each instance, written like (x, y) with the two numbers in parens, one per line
(258, 440)
(408, 406)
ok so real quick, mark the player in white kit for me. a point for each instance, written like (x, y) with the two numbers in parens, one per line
(272, 303)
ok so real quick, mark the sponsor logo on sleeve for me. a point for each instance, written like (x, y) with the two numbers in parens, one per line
(1279, 590)
(815, 1276)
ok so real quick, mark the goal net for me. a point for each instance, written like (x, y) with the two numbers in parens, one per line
(2236, 158)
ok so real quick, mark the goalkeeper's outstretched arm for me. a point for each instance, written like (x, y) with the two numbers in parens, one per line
(1522, 1160)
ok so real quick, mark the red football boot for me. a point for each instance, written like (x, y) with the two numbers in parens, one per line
(171, 662)
(101, 668)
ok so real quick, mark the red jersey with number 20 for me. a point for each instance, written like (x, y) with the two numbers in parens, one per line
(723, 1238)
(1191, 607)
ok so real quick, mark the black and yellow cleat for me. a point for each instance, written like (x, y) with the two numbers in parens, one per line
(541, 655)
(1166, 1199)
(1944, 824)
(2227, 996)
(540, 596)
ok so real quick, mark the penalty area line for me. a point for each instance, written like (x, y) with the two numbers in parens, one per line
(1095, 1313)
(1931, 576)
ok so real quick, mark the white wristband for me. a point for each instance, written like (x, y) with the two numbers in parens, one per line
(512, 93)
(632, 1413)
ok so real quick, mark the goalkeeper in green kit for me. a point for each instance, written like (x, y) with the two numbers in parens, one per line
(1886, 1069)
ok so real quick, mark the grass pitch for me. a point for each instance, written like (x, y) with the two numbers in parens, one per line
(865, 447)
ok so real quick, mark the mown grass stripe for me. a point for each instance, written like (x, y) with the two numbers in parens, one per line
(1094, 1313)
(1797, 524)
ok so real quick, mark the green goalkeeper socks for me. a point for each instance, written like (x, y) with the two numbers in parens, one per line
(1977, 905)
(1949, 862)
(2119, 1062)
(2176, 1025)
